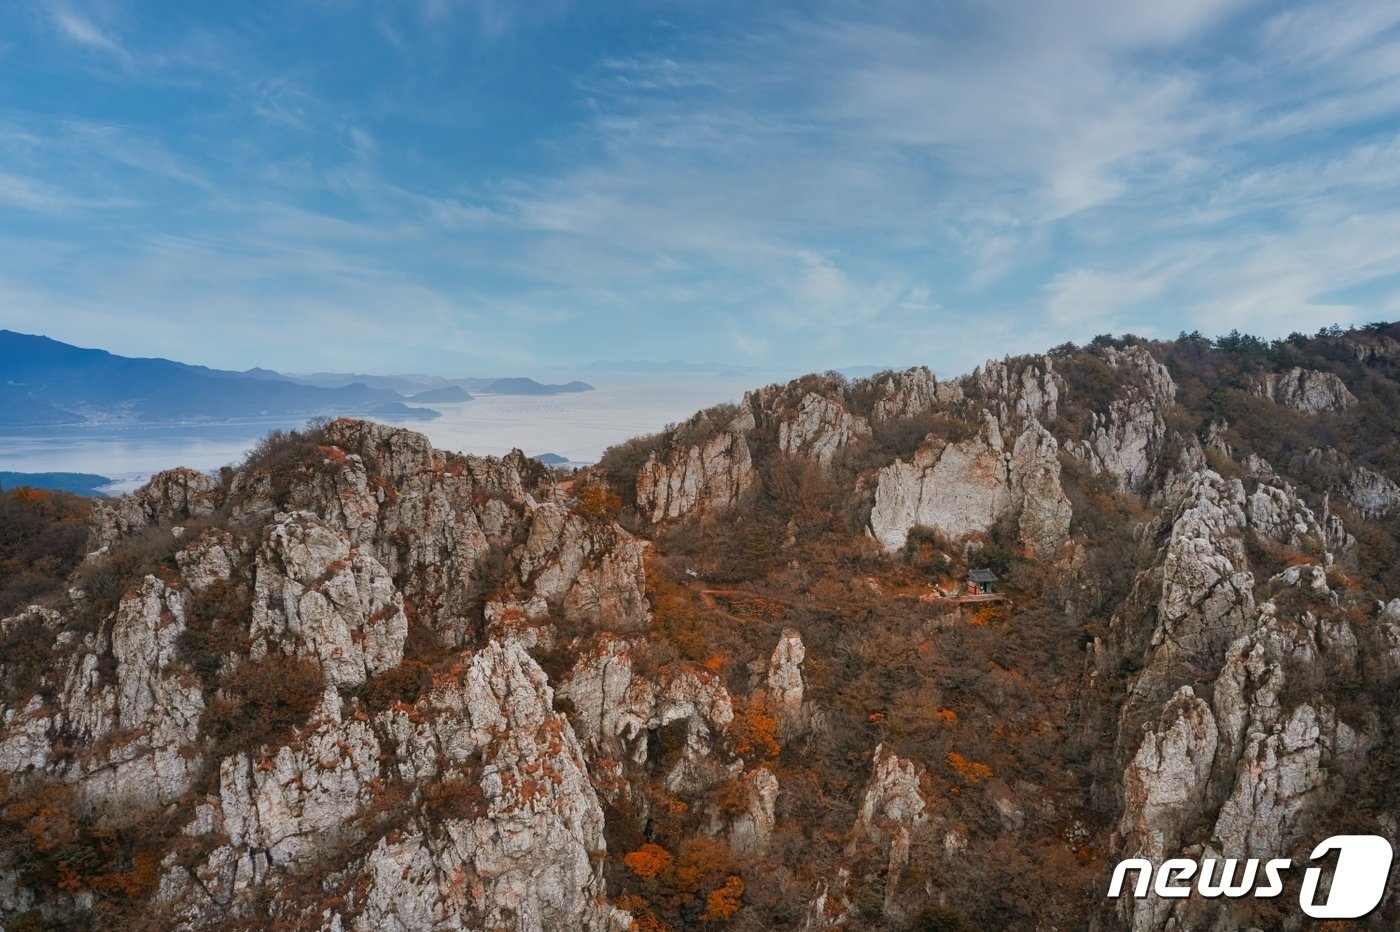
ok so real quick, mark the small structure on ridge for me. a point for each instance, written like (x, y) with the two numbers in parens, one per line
(979, 581)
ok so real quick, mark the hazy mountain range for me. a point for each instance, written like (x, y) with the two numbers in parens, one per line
(44, 382)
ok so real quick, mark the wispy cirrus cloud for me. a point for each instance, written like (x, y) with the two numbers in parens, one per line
(804, 185)
(77, 28)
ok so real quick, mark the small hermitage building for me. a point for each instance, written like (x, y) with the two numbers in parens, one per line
(979, 581)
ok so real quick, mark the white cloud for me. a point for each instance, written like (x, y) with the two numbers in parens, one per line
(820, 174)
(78, 28)
(1084, 298)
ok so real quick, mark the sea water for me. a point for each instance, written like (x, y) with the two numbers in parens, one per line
(578, 426)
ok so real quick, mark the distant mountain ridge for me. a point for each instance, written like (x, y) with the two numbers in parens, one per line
(79, 483)
(446, 395)
(414, 385)
(47, 383)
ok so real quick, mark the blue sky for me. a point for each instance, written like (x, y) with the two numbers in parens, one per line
(485, 187)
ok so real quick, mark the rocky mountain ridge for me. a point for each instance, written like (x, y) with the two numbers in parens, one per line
(362, 683)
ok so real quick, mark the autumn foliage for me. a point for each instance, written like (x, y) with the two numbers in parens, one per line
(724, 902)
(596, 501)
(970, 771)
(42, 538)
(700, 883)
(754, 730)
(648, 860)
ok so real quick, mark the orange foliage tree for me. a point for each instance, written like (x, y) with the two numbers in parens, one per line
(755, 727)
(648, 860)
(970, 771)
(596, 501)
(724, 901)
(700, 883)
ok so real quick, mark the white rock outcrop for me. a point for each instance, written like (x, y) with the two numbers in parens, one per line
(169, 497)
(1305, 390)
(620, 711)
(517, 840)
(818, 428)
(706, 476)
(911, 393)
(1019, 390)
(317, 596)
(965, 487)
(591, 573)
(955, 488)
(752, 829)
(1163, 787)
(1126, 441)
(785, 686)
(1370, 493)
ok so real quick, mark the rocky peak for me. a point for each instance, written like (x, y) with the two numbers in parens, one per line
(1126, 442)
(363, 684)
(910, 393)
(818, 428)
(1018, 389)
(706, 474)
(169, 497)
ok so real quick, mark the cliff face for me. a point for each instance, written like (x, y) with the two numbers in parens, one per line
(360, 683)
(698, 477)
(250, 691)
(999, 460)
(1306, 390)
(1250, 767)
(964, 488)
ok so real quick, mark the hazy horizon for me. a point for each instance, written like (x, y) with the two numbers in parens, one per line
(578, 426)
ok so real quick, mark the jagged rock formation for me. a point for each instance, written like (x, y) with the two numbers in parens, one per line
(785, 685)
(891, 810)
(345, 793)
(819, 428)
(1305, 390)
(706, 476)
(965, 487)
(1243, 760)
(170, 497)
(120, 693)
(591, 573)
(619, 712)
(1163, 785)
(359, 683)
(955, 488)
(1023, 390)
(317, 596)
(1126, 442)
(910, 393)
(753, 827)
(892, 804)
(516, 849)
(1370, 493)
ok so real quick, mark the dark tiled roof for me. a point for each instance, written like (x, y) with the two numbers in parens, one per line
(982, 575)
